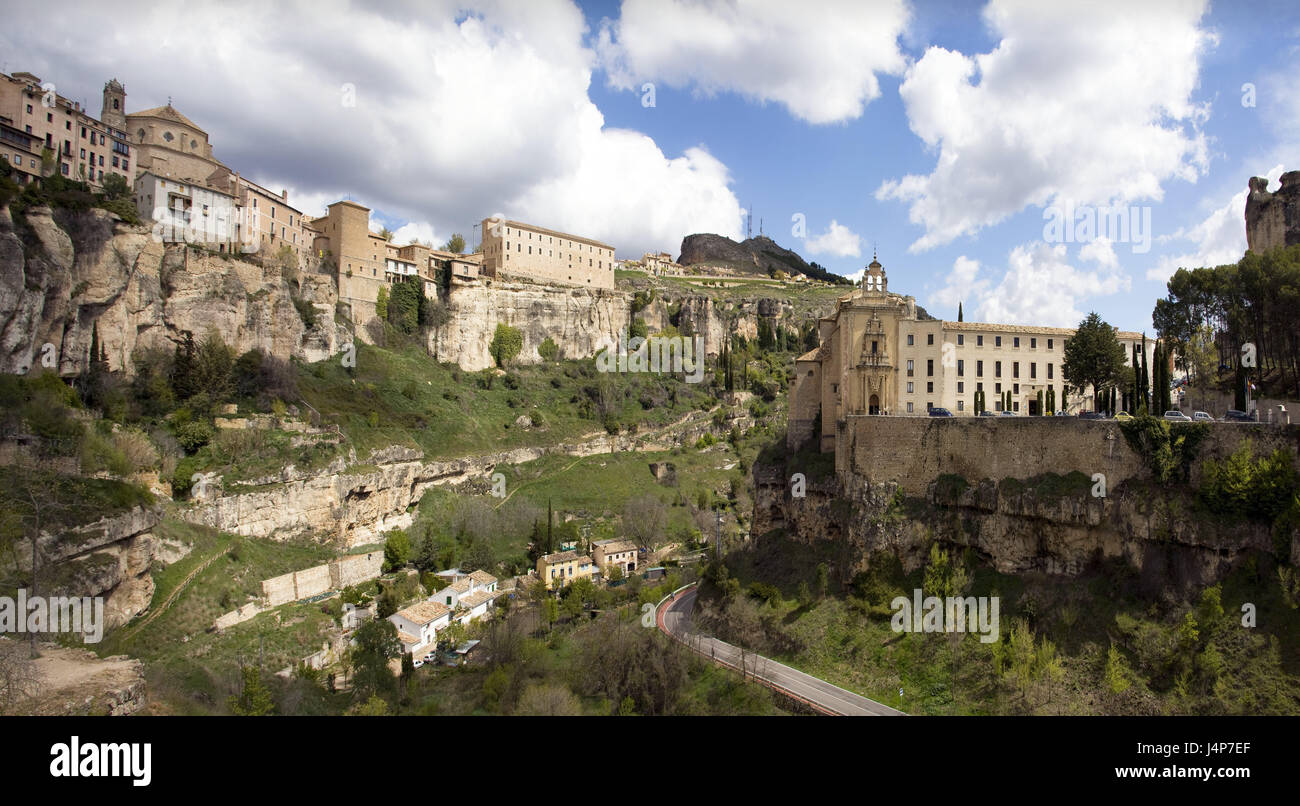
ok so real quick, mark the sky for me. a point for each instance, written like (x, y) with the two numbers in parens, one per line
(990, 153)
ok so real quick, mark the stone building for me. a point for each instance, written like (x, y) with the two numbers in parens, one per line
(1273, 219)
(171, 145)
(542, 255)
(79, 146)
(879, 357)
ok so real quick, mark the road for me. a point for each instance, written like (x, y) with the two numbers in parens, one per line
(674, 618)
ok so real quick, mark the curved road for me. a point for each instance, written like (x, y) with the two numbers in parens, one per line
(674, 618)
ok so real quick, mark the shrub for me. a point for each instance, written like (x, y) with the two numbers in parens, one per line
(548, 349)
(193, 435)
(507, 342)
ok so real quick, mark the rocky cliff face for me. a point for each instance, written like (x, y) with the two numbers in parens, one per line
(758, 256)
(64, 273)
(1016, 530)
(110, 557)
(1273, 219)
(354, 507)
(584, 321)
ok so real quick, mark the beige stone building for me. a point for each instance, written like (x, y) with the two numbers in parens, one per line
(878, 357)
(525, 251)
(171, 145)
(22, 152)
(268, 219)
(609, 553)
(71, 142)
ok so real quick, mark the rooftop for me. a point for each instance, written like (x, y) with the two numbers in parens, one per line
(424, 612)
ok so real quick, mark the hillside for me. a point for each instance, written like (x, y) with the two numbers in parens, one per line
(758, 256)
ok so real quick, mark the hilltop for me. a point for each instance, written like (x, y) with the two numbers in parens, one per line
(758, 256)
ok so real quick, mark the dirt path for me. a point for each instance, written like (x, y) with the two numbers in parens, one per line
(171, 597)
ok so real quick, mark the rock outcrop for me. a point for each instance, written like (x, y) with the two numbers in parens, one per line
(1273, 219)
(110, 557)
(70, 681)
(758, 256)
(65, 273)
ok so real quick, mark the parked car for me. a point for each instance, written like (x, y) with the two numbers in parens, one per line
(1123, 415)
(1092, 415)
(938, 412)
(1237, 416)
(987, 413)
(1175, 414)
(1008, 413)
(1202, 417)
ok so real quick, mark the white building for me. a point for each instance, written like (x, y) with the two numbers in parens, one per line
(418, 625)
(189, 213)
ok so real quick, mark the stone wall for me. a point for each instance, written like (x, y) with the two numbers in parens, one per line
(355, 568)
(913, 451)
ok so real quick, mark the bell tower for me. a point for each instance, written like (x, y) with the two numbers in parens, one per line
(113, 114)
(873, 279)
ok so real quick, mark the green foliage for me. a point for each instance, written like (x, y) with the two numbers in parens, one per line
(1093, 357)
(1165, 447)
(1262, 488)
(397, 550)
(381, 302)
(548, 349)
(404, 304)
(507, 342)
(306, 312)
(255, 699)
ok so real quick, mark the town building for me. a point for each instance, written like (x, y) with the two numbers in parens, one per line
(878, 356)
(169, 144)
(212, 216)
(75, 144)
(267, 218)
(615, 553)
(418, 626)
(524, 251)
(22, 151)
(558, 570)
(468, 595)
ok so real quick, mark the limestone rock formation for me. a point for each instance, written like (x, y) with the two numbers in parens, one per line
(1273, 219)
(758, 256)
(65, 273)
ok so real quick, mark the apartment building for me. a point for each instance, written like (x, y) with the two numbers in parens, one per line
(877, 356)
(22, 152)
(270, 220)
(525, 251)
(211, 216)
(615, 553)
(558, 570)
(75, 144)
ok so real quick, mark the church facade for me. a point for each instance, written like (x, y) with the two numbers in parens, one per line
(879, 356)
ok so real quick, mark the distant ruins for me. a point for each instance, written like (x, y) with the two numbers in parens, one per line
(1273, 219)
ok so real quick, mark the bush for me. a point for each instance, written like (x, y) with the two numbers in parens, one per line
(507, 342)
(548, 349)
(193, 435)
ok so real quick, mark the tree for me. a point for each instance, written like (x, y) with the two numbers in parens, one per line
(644, 520)
(1093, 357)
(375, 644)
(507, 342)
(255, 699)
(381, 303)
(212, 373)
(548, 349)
(397, 550)
(386, 234)
(456, 243)
(958, 311)
(404, 305)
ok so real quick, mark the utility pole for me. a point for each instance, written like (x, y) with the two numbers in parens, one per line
(717, 543)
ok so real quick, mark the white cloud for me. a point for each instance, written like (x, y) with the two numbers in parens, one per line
(1100, 251)
(837, 241)
(421, 231)
(1085, 105)
(818, 59)
(962, 285)
(1219, 238)
(457, 115)
(1038, 287)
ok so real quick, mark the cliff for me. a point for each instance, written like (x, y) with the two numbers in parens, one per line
(1273, 219)
(757, 256)
(64, 273)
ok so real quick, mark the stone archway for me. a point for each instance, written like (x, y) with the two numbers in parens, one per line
(873, 406)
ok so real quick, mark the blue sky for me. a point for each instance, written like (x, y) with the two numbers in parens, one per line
(939, 132)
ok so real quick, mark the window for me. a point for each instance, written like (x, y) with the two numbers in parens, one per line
(910, 340)
(961, 367)
(1015, 342)
(1015, 388)
(909, 367)
(1016, 405)
(997, 341)
(979, 340)
(929, 338)
(1049, 372)
(979, 387)
(1015, 369)
(979, 369)
(1033, 370)
(929, 366)
(909, 408)
(929, 387)
(961, 387)
(997, 369)
(909, 388)
(1049, 344)
(928, 405)
(997, 387)
(961, 404)
(1033, 344)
